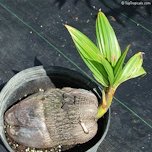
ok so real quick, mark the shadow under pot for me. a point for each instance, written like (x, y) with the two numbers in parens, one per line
(28, 103)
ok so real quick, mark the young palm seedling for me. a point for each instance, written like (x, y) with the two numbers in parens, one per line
(105, 60)
(55, 119)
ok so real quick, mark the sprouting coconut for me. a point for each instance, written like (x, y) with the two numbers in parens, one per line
(69, 116)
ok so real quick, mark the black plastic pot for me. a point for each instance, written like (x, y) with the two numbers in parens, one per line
(61, 77)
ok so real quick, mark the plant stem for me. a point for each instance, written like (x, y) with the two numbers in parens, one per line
(107, 96)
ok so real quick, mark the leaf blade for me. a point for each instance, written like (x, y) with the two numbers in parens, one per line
(130, 69)
(90, 51)
(94, 55)
(106, 39)
(120, 63)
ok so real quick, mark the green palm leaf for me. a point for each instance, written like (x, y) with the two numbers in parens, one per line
(131, 69)
(119, 65)
(89, 52)
(86, 47)
(105, 60)
(106, 39)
